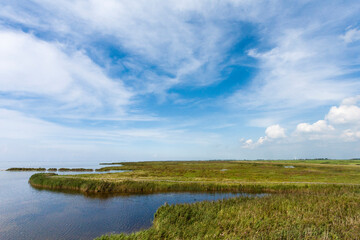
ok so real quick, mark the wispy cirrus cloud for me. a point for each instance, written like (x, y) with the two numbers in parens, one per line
(301, 71)
(42, 76)
(351, 35)
(162, 44)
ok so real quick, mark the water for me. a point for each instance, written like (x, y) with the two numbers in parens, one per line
(46, 164)
(29, 213)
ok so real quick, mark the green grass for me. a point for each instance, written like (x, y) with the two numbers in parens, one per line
(75, 170)
(320, 161)
(317, 199)
(240, 171)
(89, 185)
(331, 214)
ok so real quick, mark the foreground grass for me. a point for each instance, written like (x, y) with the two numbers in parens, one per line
(331, 214)
(317, 199)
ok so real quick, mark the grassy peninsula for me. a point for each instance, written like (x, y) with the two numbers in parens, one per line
(309, 199)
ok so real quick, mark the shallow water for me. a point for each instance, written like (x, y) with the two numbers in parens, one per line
(29, 213)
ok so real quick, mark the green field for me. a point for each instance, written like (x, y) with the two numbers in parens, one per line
(309, 199)
(316, 171)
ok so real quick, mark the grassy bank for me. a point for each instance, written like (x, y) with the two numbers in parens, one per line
(89, 185)
(331, 214)
(310, 199)
(76, 170)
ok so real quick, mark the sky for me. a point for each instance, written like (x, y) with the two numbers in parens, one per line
(107, 81)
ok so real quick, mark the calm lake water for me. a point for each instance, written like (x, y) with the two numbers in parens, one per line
(29, 213)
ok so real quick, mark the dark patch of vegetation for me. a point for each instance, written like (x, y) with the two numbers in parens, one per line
(52, 169)
(75, 170)
(27, 169)
(54, 181)
(103, 170)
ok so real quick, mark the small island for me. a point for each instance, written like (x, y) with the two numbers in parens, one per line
(27, 169)
(40, 169)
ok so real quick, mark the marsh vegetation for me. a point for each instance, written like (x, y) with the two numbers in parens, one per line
(327, 214)
(75, 170)
(316, 199)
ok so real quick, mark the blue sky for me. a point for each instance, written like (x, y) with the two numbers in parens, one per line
(119, 80)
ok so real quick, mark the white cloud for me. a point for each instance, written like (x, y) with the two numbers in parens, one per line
(344, 114)
(261, 140)
(275, 131)
(346, 118)
(18, 126)
(350, 135)
(317, 127)
(66, 81)
(272, 132)
(185, 41)
(351, 100)
(15, 125)
(299, 60)
(297, 66)
(351, 35)
(248, 144)
(304, 65)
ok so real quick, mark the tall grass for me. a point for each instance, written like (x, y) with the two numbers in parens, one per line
(54, 181)
(333, 214)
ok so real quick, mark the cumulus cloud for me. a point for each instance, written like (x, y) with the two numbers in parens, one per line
(345, 117)
(317, 127)
(341, 123)
(275, 131)
(261, 140)
(248, 143)
(272, 132)
(344, 114)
